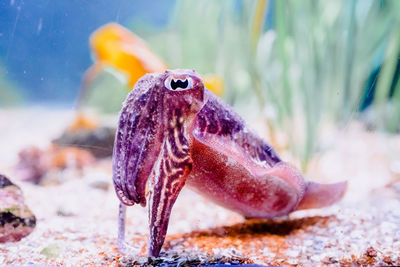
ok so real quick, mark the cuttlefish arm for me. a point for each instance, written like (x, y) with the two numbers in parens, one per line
(168, 179)
(137, 146)
(138, 142)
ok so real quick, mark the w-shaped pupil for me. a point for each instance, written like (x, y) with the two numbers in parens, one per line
(176, 84)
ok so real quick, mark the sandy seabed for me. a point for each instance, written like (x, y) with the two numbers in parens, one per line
(77, 222)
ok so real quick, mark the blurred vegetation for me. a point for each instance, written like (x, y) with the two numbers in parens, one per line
(9, 94)
(321, 54)
(306, 64)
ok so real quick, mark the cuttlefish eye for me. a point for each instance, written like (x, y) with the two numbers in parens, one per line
(178, 84)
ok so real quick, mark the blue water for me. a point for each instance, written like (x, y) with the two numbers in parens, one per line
(44, 43)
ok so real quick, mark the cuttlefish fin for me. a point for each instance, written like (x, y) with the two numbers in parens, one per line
(169, 176)
(321, 195)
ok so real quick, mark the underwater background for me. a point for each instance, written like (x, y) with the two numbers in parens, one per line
(318, 80)
(44, 44)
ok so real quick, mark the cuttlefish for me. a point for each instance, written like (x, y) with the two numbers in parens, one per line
(174, 132)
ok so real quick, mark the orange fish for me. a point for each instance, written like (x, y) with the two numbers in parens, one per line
(118, 47)
(115, 46)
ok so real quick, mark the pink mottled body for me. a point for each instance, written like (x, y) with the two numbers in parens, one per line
(173, 131)
(230, 185)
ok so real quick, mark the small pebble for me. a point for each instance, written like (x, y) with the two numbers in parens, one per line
(371, 252)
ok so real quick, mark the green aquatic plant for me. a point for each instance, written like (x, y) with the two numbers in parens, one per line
(387, 98)
(319, 58)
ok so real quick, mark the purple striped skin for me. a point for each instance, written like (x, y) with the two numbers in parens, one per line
(171, 136)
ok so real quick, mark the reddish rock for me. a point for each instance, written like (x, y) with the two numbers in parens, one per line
(16, 219)
(99, 141)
